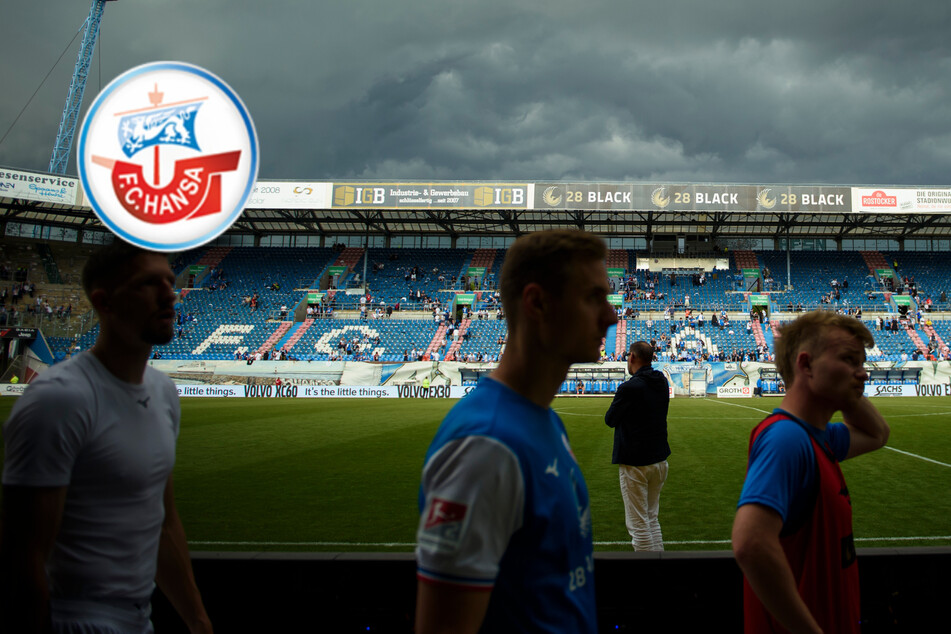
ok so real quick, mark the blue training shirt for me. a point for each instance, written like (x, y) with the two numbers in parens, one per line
(781, 473)
(504, 507)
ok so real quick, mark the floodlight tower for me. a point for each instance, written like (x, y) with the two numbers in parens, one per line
(74, 99)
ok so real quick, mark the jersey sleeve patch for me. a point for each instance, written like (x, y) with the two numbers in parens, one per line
(472, 503)
(442, 527)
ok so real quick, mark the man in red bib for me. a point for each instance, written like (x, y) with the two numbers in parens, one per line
(792, 535)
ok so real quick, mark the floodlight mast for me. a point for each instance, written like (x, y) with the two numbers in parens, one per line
(74, 99)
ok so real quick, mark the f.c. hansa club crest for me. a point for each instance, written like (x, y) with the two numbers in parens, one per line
(167, 156)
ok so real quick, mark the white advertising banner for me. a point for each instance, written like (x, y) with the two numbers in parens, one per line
(734, 391)
(290, 195)
(47, 188)
(935, 389)
(906, 200)
(324, 391)
(12, 389)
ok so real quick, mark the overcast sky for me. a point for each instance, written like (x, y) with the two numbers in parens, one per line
(844, 92)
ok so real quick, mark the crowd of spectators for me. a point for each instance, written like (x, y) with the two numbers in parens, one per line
(21, 299)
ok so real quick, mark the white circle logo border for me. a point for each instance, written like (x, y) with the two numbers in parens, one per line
(108, 208)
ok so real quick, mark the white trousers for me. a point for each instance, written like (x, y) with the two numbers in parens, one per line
(640, 490)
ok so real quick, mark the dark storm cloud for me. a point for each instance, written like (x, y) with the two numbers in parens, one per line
(848, 92)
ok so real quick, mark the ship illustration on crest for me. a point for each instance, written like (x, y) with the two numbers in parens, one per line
(171, 125)
(195, 188)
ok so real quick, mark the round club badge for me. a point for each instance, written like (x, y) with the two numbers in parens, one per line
(167, 156)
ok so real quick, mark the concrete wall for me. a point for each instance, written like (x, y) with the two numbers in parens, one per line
(903, 590)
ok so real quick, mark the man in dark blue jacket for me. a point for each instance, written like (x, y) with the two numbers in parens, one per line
(638, 415)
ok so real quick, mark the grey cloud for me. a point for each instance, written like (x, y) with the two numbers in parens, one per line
(847, 92)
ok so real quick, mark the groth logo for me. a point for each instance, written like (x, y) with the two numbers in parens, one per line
(167, 156)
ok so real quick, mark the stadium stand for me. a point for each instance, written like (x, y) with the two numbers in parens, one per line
(241, 301)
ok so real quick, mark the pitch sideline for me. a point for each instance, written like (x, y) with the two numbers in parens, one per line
(907, 453)
(697, 542)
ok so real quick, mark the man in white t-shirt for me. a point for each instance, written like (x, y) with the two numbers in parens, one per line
(90, 524)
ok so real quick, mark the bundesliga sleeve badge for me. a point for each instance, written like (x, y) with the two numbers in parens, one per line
(167, 156)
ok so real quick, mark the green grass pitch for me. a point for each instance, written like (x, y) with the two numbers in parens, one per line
(342, 475)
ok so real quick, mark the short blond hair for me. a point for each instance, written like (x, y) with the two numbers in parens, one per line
(808, 332)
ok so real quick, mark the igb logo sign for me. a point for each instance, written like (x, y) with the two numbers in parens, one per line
(167, 156)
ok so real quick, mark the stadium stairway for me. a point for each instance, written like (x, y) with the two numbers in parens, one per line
(214, 256)
(210, 259)
(291, 332)
(455, 345)
(436, 342)
(745, 260)
(49, 262)
(932, 333)
(768, 336)
(275, 336)
(295, 335)
(349, 258)
(620, 342)
(874, 260)
(618, 259)
(481, 258)
(916, 339)
(758, 335)
(610, 340)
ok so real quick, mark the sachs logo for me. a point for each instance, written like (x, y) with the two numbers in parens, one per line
(764, 200)
(552, 196)
(660, 198)
(167, 156)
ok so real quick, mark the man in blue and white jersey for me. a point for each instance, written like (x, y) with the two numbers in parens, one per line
(504, 539)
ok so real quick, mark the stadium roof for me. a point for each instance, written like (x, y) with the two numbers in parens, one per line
(724, 210)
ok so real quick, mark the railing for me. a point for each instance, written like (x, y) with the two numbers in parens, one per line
(53, 326)
(354, 305)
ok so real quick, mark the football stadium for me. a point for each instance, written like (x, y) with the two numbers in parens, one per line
(320, 341)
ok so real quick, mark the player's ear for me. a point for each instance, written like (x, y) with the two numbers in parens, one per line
(534, 301)
(100, 300)
(804, 363)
